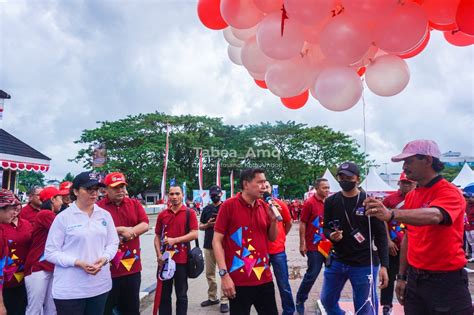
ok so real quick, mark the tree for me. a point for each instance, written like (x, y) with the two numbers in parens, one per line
(68, 178)
(292, 154)
(30, 179)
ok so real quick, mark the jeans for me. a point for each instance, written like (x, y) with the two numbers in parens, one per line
(315, 263)
(438, 293)
(180, 281)
(279, 264)
(262, 297)
(335, 278)
(125, 295)
(87, 306)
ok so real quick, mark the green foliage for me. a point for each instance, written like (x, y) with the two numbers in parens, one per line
(293, 155)
(451, 172)
(29, 179)
(68, 177)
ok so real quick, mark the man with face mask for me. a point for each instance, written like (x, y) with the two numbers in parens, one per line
(208, 220)
(346, 225)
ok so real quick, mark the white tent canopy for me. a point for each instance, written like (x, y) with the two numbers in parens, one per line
(333, 183)
(373, 183)
(465, 177)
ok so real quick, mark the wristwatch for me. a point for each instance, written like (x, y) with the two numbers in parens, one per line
(222, 272)
(401, 277)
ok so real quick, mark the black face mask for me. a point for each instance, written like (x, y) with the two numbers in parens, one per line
(347, 185)
(215, 198)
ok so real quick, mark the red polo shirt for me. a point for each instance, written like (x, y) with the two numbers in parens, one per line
(469, 217)
(437, 247)
(129, 213)
(3, 256)
(397, 229)
(29, 213)
(278, 245)
(312, 214)
(245, 230)
(35, 260)
(172, 224)
(19, 240)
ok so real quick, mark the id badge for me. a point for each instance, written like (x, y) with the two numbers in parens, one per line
(357, 235)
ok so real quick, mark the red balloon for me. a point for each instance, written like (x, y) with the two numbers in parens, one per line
(261, 83)
(465, 16)
(361, 71)
(458, 38)
(418, 49)
(296, 102)
(209, 12)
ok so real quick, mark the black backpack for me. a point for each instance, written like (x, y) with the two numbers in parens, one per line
(195, 264)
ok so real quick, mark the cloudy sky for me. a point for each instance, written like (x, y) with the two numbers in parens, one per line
(68, 64)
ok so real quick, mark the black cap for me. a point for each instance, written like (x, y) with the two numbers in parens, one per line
(215, 190)
(349, 169)
(86, 180)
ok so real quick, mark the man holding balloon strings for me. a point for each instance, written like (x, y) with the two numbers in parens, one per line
(431, 277)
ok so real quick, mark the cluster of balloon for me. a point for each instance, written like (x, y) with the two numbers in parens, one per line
(293, 47)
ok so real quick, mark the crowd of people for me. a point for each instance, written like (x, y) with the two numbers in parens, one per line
(67, 252)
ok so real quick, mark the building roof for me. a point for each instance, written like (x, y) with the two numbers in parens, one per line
(13, 146)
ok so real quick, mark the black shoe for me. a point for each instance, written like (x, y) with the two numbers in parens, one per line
(387, 310)
(225, 308)
(209, 302)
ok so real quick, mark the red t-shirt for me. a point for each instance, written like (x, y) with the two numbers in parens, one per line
(312, 214)
(19, 240)
(245, 230)
(172, 224)
(129, 213)
(35, 260)
(278, 245)
(397, 229)
(469, 217)
(29, 213)
(437, 247)
(3, 256)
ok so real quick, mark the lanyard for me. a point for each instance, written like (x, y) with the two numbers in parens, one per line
(345, 212)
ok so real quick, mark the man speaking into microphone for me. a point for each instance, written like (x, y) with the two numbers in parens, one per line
(243, 227)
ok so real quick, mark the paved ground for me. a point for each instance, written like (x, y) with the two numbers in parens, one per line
(198, 287)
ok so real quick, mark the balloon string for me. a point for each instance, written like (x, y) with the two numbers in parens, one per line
(284, 16)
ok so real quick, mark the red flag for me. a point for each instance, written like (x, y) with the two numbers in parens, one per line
(218, 173)
(200, 172)
(156, 305)
(232, 183)
(165, 164)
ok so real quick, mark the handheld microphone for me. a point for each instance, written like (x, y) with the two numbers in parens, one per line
(268, 199)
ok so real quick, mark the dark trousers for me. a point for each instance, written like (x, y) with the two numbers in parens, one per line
(260, 296)
(125, 295)
(89, 306)
(180, 281)
(386, 295)
(15, 300)
(438, 293)
(315, 263)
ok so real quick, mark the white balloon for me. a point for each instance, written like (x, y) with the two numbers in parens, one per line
(253, 59)
(338, 88)
(289, 78)
(246, 33)
(387, 75)
(231, 39)
(234, 54)
(257, 76)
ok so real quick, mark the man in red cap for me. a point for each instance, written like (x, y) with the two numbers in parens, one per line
(131, 221)
(431, 277)
(8, 204)
(65, 190)
(395, 232)
(33, 207)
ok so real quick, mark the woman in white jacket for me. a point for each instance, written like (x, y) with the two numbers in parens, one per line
(81, 242)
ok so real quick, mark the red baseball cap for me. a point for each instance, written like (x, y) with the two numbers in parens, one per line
(403, 177)
(64, 188)
(114, 179)
(48, 193)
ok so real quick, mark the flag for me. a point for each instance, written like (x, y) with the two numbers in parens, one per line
(184, 192)
(165, 164)
(200, 172)
(173, 181)
(232, 183)
(218, 173)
